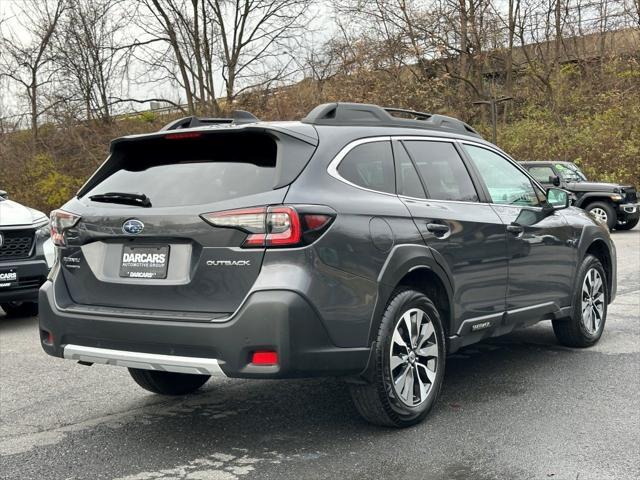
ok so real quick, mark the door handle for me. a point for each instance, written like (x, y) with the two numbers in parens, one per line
(515, 229)
(438, 229)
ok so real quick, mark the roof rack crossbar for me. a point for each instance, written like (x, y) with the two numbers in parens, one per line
(358, 114)
(238, 117)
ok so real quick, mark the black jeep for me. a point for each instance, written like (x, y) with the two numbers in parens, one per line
(615, 205)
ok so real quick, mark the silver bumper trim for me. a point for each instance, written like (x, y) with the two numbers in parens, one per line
(145, 361)
(630, 207)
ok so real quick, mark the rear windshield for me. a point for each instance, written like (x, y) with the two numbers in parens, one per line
(191, 171)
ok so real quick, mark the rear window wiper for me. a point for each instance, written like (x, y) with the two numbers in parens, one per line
(138, 199)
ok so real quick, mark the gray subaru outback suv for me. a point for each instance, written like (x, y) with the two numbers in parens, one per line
(360, 242)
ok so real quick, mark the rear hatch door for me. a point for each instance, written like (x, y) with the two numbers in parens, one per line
(158, 254)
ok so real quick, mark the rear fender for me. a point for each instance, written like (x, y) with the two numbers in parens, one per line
(402, 260)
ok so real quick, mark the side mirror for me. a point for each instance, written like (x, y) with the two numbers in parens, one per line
(558, 198)
(554, 180)
(4, 194)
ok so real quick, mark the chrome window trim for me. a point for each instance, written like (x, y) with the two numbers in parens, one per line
(332, 169)
(407, 197)
(515, 206)
(424, 139)
(453, 141)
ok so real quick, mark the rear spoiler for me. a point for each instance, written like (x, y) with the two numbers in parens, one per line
(238, 117)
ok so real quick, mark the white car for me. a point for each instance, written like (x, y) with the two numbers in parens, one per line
(26, 255)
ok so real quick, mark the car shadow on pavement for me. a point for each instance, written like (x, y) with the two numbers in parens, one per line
(8, 322)
(279, 422)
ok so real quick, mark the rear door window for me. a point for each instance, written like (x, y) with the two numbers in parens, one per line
(442, 171)
(192, 171)
(370, 166)
(407, 177)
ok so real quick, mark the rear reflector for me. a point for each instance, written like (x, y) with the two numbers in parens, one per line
(265, 358)
(46, 337)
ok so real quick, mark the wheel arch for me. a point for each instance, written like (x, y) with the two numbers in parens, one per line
(588, 198)
(425, 280)
(599, 249)
(416, 267)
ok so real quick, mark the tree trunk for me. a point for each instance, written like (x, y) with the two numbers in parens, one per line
(33, 98)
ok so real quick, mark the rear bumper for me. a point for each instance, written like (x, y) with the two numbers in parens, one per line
(31, 274)
(277, 320)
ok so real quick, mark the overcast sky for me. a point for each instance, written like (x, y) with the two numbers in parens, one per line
(139, 83)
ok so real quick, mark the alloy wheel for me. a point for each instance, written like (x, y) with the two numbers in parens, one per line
(413, 357)
(600, 214)
(592, 301)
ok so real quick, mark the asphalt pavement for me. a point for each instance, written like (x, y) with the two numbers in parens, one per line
(515, 407)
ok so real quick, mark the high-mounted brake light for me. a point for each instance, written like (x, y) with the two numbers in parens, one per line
(276, 226)
(61, 221)
(180, 136)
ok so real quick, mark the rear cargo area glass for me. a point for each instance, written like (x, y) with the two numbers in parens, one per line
(192, 171)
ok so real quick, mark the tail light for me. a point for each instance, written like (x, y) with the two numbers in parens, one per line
(61, 221)
(276, 226)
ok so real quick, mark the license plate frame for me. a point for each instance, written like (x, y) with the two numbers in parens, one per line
(141, 262)
(8, 277)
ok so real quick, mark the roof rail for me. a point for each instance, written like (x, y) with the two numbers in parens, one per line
(237, 117)
(361, 114)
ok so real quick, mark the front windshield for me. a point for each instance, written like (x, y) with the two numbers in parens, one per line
(570, 172)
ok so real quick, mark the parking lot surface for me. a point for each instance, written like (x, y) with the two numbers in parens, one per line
(515, 407)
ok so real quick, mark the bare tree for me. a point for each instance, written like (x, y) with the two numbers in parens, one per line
(27, 61)
(225, 45)
(93, 54)
(257, 37)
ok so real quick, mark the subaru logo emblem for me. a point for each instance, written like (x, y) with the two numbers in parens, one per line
(132, 226)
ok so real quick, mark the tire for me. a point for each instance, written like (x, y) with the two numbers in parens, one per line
(379, 401)
(20, 309)
(627, 224)
(168, 383)
(586, 324)
(604, 212)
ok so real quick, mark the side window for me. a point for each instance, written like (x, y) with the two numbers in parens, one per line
(442, 171)
(506, 183)
(541, 174)
(370, 165)
(408, 181)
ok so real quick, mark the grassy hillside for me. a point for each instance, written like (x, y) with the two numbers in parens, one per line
(589, 116)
